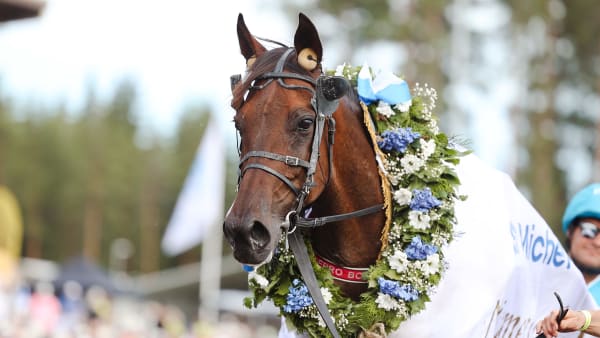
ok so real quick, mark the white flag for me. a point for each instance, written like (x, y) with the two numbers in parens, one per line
(200, 203)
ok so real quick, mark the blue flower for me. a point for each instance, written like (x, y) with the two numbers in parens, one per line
(423, 200)
(298, 298)
(397, 290)
(417, 250)
(397, 139)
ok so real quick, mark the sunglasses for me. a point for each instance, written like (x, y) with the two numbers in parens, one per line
(589, 230)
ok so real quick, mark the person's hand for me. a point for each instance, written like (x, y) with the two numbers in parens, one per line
(572, 321)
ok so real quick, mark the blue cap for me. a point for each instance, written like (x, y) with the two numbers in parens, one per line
(585, 203)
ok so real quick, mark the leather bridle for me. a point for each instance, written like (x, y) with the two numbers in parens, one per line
(324, 105)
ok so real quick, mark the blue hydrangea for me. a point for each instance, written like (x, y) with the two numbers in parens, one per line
(417, 250)
(397, 139)
(397, 290)
(298, 297)
(423, 200)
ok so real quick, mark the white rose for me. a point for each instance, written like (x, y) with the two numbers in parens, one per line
(403, 196)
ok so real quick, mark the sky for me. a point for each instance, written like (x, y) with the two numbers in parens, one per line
(178, 52)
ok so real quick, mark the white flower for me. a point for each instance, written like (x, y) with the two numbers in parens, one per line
(339, 70)
(398, 261)
(387, 302)
(404, 106)
(342, 321)
(411, 163)
(321, 322)
(418, 219)
(434, 127)
(431, 265)
(427, 148)
(402, 196)
(384, 109)
(326, 295)
(258, 278)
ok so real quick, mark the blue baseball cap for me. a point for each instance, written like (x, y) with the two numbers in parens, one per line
(585, 203)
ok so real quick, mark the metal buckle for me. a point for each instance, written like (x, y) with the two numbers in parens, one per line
(287, 222)
(291, 160)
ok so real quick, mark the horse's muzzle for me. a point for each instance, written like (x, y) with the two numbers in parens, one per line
(251, 242)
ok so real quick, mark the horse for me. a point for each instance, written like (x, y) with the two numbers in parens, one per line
(308, 161)
(282, 121)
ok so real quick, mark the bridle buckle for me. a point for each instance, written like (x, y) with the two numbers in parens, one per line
(291, 160)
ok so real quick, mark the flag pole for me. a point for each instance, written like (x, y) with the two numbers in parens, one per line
(210, 276)
(198, 210)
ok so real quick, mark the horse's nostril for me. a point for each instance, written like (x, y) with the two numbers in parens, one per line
(259, 235)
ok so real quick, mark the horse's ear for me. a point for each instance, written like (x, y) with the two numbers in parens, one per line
(249, 46)
(307, 44)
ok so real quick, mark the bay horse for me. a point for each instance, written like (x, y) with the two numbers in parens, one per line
(280, 119)
(295, 156)
(308, 161)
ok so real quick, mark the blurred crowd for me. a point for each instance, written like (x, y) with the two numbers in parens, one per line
(45, 311)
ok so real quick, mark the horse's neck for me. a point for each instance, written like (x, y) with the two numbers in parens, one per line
(355, 185)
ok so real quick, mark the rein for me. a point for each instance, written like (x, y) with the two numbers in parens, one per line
(324, 103)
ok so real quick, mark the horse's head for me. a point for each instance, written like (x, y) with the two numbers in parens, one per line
(283, 106)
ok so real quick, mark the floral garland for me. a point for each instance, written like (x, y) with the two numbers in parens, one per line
(418, 161)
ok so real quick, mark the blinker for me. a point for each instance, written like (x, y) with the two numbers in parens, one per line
(328, 92)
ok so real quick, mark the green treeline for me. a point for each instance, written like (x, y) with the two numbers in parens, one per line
(84, 178)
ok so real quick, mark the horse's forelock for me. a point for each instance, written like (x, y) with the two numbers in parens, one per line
(264, 64)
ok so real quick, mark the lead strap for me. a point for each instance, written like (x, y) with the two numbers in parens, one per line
(298, 247)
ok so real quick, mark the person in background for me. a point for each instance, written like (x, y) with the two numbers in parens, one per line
(581, 224)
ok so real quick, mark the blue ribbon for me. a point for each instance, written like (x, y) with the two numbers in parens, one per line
(386, 87)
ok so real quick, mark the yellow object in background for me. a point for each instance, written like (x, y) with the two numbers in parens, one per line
(11, 226)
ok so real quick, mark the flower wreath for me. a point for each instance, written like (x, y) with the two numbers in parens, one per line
(417, 165)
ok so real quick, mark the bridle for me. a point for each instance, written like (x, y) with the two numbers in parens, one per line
(326, 92)
(301, 193)
(324, 103)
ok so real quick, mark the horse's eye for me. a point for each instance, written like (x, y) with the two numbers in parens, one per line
(305, 124)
